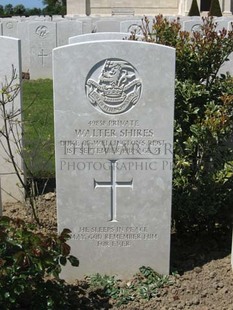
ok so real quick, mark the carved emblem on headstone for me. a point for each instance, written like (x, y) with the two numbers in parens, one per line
(42, 31)
(9, 25)
(113, 86)
(134, 28)
(196, 28)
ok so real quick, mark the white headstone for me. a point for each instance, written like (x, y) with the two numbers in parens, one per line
(99, 36)
(227, 67)
(10, 56)
(23, 35)
(222, 23)
(66, 29)
(130, 26)
(10, 27)
(192, 26)
(230, 26)
(42, 38)
(86, 22)
(107, 26)
(114, 103)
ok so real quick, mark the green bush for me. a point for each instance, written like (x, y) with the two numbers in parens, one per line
(215, 9)
(203, 160)
(194, 10)
(30, 265)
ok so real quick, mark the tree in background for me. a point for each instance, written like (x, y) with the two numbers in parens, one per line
(1, 10)
(34, 11)
(194, 10)
(19, 10)
(54, 7)
(8, 10)
(215, 9)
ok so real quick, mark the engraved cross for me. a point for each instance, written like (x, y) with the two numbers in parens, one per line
(113, 184)
(42, 55)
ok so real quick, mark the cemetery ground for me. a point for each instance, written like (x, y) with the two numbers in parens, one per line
(201, 277)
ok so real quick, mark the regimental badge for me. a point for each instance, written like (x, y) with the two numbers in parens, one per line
(113, 86)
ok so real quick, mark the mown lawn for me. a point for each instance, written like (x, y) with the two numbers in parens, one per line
(39, 126)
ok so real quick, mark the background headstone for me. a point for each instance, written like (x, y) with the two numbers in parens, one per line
(42, 38)
(192, 25)
(66, 29)
(227, 67)
(113, 137)
(23, 35)
(9, 27)
(107, 26)
(10, 55)
(131, 26)
(98, 37)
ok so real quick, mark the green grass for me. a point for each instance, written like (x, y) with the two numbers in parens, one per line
(39, 127)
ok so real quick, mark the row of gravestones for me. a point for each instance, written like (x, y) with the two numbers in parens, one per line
(40, 36)
(113, 145)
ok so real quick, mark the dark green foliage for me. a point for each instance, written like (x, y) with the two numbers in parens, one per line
(19, 10)
(203, 158)
(54, 7)
(194, 10)
(30, 264)
(8, 10)
(215, 9)
(1, 10)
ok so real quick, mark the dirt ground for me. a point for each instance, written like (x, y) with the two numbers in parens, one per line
(204, 279)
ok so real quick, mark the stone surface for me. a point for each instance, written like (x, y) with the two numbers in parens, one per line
(107, 26)
(42, 37)
(192, 25)
(131, 26)
(227, 67)
(124, 7)
(10, 55)
(23, 35)
(9, 27)
(98, 36)
(66, 29)
(113, 137)
(136, 7)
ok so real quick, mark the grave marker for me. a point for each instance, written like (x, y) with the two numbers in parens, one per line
(99, 36)
(9, 27)
(10, 56)
(42, 38)
(23, 35)
(130, 26)
(110, 25)
(66, 29)
(114, 136)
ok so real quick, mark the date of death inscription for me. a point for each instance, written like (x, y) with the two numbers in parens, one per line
(114, 236)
